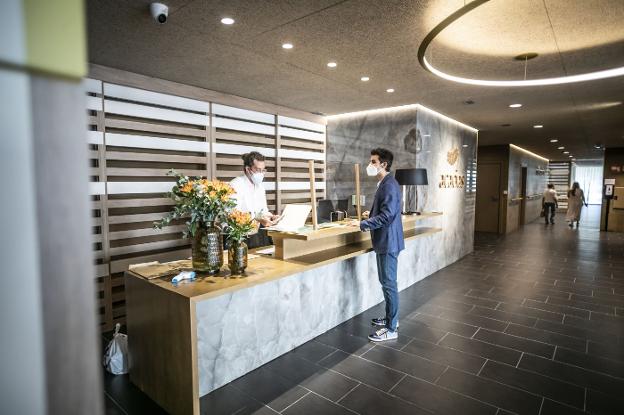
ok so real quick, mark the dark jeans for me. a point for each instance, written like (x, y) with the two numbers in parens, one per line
(551, 207)
(387, 271)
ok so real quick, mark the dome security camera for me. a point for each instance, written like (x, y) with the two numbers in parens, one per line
(159, 12)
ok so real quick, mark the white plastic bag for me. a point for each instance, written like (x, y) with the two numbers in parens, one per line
(115, 358)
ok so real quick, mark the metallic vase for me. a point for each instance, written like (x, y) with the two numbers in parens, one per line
(207, 249)
(237, 257)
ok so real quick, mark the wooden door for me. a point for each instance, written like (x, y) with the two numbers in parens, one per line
(488, 197)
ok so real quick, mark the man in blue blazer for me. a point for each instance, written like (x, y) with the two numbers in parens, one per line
(384, 222)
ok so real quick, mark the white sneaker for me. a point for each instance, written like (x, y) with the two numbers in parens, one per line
(383, 335)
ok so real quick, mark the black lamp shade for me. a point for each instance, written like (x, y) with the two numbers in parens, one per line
(409, 177)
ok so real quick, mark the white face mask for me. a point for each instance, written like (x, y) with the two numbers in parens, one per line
(257, 178)
(371, 170)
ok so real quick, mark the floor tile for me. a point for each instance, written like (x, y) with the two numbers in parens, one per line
(479, 348)
(514, 342)
(368, 401)
(314, 404)
(445, 356)
(405, 363)
(439, 400)
(491, 392)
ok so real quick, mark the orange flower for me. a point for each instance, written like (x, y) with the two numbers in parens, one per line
(188, 187)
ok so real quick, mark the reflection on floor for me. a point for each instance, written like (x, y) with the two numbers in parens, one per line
(530, 323)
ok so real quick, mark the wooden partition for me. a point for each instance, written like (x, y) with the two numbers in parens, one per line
(137, 135)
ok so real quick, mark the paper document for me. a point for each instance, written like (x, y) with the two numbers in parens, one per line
(293, 217)
(266, 251)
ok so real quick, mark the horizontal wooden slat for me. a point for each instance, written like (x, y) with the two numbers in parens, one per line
(297, 123)
(94, 103)
(100, 270)
(97, 188)
(154, 128)
(149, 112)
(115, 188)
(93, 86)
(137, 233)
(153, 157)
(140, 217)
(302, 164)
(157, 143)
(223, 148)
(232, 112)
(229, 124)
(236, 161)
(242, 138)
(300, 175)
(236, 173)
(128, 203)
(167, 100)
(285, 185)
(310, 145)
(143, 172)
(306, 135)
(149, 246)
(303, 155)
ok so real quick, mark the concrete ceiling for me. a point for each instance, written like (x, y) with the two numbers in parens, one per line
(379, 39)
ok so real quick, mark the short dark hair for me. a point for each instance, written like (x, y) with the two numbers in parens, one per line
(248, 158)
(385, 156)
(551, 186)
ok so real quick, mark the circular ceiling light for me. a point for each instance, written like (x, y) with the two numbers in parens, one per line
(332, 64)
(287, 45)
(464, 145)
(515, 105)
(538, 126)
(227, 20)
(560, 148)
(390, 90)
(422, 49)
(566, 152)
(554, 140)
(365, 79)
(570, 156)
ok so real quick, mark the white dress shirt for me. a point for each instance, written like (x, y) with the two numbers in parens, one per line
(249, 197)
(550, 196)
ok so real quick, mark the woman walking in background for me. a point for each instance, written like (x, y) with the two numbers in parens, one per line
(576, 200)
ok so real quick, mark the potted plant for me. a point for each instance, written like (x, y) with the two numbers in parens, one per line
(202, 202)
(238, 227)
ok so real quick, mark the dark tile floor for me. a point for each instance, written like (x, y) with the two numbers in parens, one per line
(530, 323)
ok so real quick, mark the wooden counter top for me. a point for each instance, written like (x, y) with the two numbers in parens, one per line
(266, 268)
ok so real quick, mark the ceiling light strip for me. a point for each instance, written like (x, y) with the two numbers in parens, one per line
(400, 108)
(528, 152)
(608, 73)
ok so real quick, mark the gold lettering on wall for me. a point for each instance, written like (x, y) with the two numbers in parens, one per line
(452, 181)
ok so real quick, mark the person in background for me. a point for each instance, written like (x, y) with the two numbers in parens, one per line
(386, 227)
(576, 200)
(250, 196)
(549, 203)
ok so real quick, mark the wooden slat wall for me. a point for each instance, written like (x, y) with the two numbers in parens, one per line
(136, 136)
(559, 175)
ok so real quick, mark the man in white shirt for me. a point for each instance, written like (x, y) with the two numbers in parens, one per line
(549, 203)
(251, 197)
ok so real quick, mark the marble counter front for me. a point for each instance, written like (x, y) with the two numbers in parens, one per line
(188, 340)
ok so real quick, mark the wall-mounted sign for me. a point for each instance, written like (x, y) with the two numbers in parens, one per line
(452, 181)
(609, 181)
(616, 169)
(452, 156)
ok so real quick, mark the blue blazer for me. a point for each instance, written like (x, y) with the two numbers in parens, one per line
(384, 220)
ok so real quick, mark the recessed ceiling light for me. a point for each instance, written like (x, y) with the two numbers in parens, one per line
(390, 90)
(560, 148)
(287, 45)
(570, 156)
(553, 140)
(227, 20)
(365, 79)
(538, 126)
(515, 105)
(464, 145)
(566, 152)
(332, 64)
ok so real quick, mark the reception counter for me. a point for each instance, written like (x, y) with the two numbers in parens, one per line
(188, 339)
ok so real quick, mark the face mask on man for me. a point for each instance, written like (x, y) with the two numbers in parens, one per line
(257, 178)
(371, 170)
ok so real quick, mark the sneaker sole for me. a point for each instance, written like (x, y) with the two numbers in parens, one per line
(382, 340)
